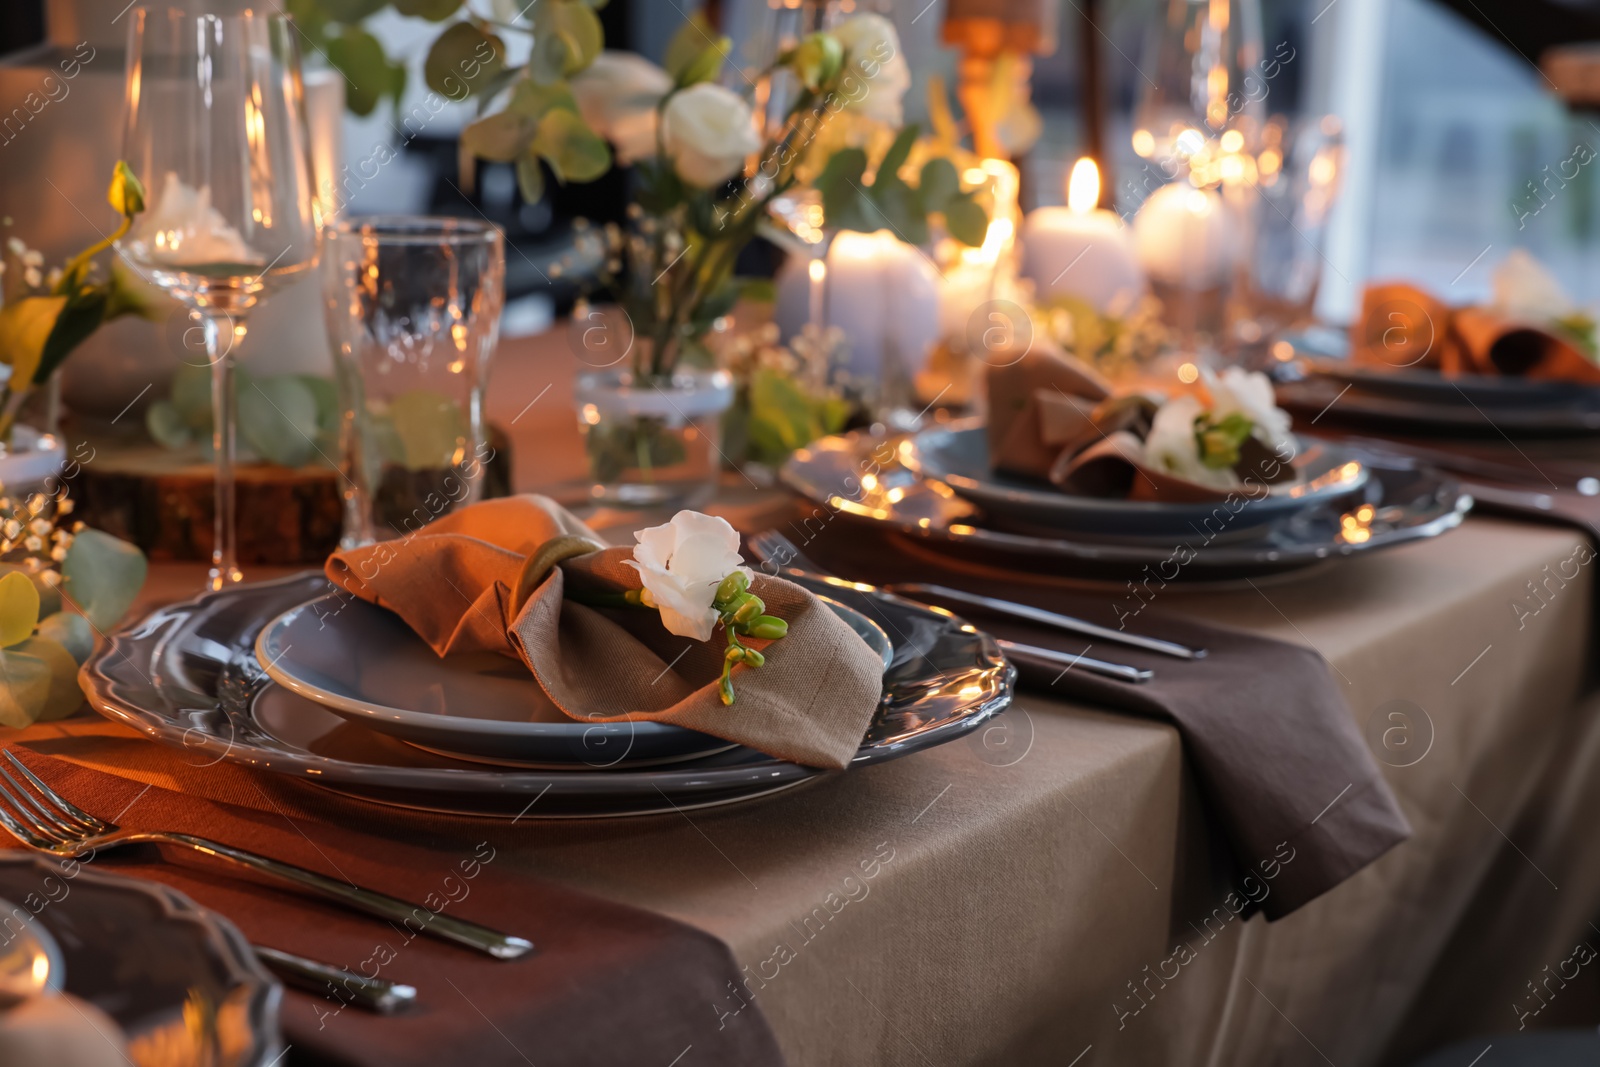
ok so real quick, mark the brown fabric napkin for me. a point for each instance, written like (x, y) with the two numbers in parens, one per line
(1403, 326)
(1280, 763)
(452, 582)
(607, 984)
(1040, 402)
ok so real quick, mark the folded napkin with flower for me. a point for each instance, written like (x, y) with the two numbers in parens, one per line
(620, 633)
(1053, 418)
(1530, 328)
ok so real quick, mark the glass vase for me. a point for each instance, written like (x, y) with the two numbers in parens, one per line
(653, 442)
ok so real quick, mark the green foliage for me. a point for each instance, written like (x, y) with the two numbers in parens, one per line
(776, 415)
(849, 202)
(643, 444)
(430, 426)
(103, 576)
(19, 609)
(369, 75)
(695, 53)
(432, 10)
(1220, 441)
(289, 419)
(574, 151)
(463, 59)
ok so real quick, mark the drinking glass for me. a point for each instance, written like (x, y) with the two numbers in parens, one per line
(413, 313)
(216, 132)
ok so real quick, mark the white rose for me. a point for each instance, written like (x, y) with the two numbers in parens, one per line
(1524, 289)
(184, 229)
(681, 564)
(1171, 446)
(876, 74)
(617, 96)
(709, 131)
(1250, 394)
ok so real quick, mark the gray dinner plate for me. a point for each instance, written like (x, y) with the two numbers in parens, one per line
(145, 955)
(364, 663)
(186, 675)
(958, 456)
(1401, 501)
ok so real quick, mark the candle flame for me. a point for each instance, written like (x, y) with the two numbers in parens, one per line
(818, 270)
(1083, 188)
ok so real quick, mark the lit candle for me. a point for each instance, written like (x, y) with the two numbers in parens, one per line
(818, 271)
(1186, 237)
(884, 295)
(1079, 250)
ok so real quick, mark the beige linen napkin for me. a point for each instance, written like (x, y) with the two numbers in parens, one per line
(452, 583)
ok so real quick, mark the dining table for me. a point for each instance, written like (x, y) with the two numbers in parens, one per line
(1031, 882)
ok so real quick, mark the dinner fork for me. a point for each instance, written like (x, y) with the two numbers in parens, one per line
(60, 828)
(773, 547)
(778, 549)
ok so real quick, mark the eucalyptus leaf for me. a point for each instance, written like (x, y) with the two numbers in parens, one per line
(530, 98)
(19, 608)
(191, 396)
(687, 44)
(899, 208)
(63, 697)
(430, 426)
(49, 595)
(166, 425)
(25, 685)
(707, 65)
(547, 58)
(939, 183)
(966, 220)
(348, 11)
(103, 576)
(432, 10)
(502, 136)
(278, 417)
(329, 412)
(72, 631)
(581, 29)
(574, 151)
(899, 151)
(368, 76)
(530, 179)
(844, 201)
(462, 60)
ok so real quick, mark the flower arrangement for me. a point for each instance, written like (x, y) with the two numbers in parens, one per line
(49, 564)
(44, 315)
(786, 396)
(1215, 444)
(1116, 342)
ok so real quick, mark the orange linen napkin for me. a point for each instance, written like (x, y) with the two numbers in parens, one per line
(452, 583)
(1402, 326)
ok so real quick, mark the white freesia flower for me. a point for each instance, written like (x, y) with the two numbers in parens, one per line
(876, 72)
(1249, 393)
(1524, 289)
(1171, 446)
(184, 229)
(617, 96)
(709, 131)
(681, 564)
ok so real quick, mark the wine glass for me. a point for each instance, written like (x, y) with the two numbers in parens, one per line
(216, 132)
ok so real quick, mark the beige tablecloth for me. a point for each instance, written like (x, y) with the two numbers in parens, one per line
(1023, 880)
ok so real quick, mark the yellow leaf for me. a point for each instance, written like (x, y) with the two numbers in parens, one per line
(25, 325)
(62, 697)
(19, 609)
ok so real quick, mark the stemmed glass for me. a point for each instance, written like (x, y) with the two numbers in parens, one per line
(216, 131)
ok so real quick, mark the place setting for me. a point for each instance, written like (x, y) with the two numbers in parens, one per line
(794, 534)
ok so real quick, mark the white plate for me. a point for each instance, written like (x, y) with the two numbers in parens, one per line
(364, 663)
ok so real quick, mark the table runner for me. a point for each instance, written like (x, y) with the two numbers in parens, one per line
(1283, 771)
(608, 983)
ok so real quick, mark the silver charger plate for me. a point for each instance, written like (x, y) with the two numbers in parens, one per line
(187, 676)
(958, 456)
(364, 663)
(861, 477)
(140, 951)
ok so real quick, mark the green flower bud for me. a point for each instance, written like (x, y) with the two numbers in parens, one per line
(748, 607)
(126, 193)
(752, 658)
(735, 654)
(732, 586)
(767, 627)
(817, 60)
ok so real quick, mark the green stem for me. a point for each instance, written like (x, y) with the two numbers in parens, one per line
(79, 262)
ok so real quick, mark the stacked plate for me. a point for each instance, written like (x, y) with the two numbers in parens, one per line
(1322, 384)
(291, 677)
(937, 487)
